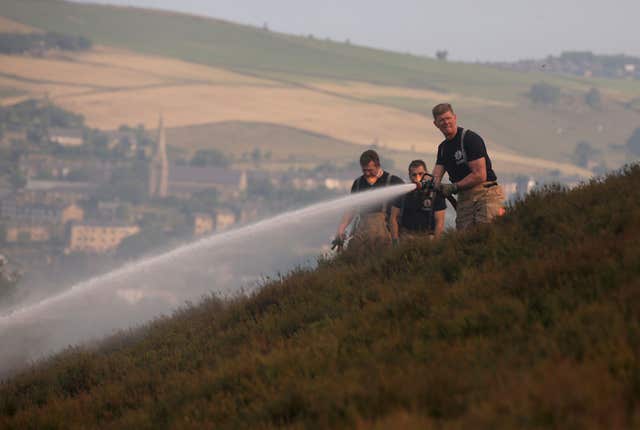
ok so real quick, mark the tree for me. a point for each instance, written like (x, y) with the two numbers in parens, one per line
(593, 98)
(543, 93)
(633, 143)
(210, 157)
(17, 179)
(583, 153)
(442, 55)
(256, 156)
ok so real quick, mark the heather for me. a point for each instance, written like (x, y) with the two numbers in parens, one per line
(533, 322)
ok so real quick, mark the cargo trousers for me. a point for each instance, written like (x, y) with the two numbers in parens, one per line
(371, 230)
(479, 205)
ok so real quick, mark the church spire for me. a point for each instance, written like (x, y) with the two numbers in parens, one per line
(159, 168)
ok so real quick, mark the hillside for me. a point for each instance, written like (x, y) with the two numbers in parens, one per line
(346, 92)
(531, 323)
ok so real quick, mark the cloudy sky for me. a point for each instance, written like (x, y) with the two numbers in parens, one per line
(471, 30)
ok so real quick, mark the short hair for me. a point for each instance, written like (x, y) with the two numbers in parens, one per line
(442, 108)
(368, 156)
(417, 163)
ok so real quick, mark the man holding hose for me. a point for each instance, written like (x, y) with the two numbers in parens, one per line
(463, 155)
(371, 228)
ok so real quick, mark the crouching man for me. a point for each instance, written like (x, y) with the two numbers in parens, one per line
(420, 212)
(463, 155)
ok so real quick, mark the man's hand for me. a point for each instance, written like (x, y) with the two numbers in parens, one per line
(447, 190)
(338, 242)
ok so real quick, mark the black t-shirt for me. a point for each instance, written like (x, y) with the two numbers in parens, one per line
(361, 184)
(450, 155)
(417, 211)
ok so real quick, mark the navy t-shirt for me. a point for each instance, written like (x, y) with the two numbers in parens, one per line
(417, 210)
(450, 155)
(361, 184)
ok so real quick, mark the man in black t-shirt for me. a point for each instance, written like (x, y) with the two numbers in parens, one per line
(463, 155)
(419, 211)
(371, 227)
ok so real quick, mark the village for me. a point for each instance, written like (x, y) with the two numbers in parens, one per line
(71, 195)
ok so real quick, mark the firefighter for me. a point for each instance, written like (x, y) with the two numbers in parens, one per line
(422, 210)
(463, 155)
(371, 228)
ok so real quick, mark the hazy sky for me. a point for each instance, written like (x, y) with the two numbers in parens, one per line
(469, 29)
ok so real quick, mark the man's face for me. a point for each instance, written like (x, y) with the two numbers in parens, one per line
(447, 123)
(416, 174)
(370, 170)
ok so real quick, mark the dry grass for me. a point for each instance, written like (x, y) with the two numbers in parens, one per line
(197, 104)
(370, 91)
(163, 67)
(40, 89)
(64, 71)
(111, 87)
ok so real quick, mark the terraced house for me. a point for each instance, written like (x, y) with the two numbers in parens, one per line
(98, 237)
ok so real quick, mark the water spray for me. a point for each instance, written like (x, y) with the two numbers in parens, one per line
(225, 264)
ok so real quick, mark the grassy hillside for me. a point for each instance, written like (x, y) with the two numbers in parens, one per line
(533, 322)
(348, 92)
(223, 44)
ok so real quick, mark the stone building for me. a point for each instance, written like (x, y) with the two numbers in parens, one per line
(98, 237)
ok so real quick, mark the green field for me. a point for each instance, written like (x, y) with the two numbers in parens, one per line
(531, 323)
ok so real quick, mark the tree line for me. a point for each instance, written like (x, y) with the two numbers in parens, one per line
(19, 43)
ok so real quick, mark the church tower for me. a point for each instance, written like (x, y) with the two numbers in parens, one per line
(159, 166)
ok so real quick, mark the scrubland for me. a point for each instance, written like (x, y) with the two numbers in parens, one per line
(532, 322)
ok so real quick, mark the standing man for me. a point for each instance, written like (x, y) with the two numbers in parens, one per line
(420, 211)
(372, 227)
(463, 155)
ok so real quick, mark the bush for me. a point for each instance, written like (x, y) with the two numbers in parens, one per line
(593, 98)
(543, 93)
(633, 143)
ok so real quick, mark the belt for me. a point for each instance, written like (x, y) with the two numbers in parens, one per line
(490, 184)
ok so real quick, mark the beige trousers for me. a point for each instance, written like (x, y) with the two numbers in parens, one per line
(371, 230)
(479, 205)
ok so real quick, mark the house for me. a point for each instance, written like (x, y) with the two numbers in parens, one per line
(37, 213)
(97, 237)
(184, 181)
(26, 232)
(11, 136)
(341, 181)
(68, 137)
(47, 166)
(202, 224)
(225, 218)
(109, 210)
(58, 191)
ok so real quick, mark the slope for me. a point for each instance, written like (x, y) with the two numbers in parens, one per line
(532, 322)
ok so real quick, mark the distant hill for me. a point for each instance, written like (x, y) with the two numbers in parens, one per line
(581, 63)
(532, 322)
(348, 92)
(225, 44)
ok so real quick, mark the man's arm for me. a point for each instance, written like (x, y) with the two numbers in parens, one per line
(439, 219)
(438, 172)
(477, 176)
(346, 219)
